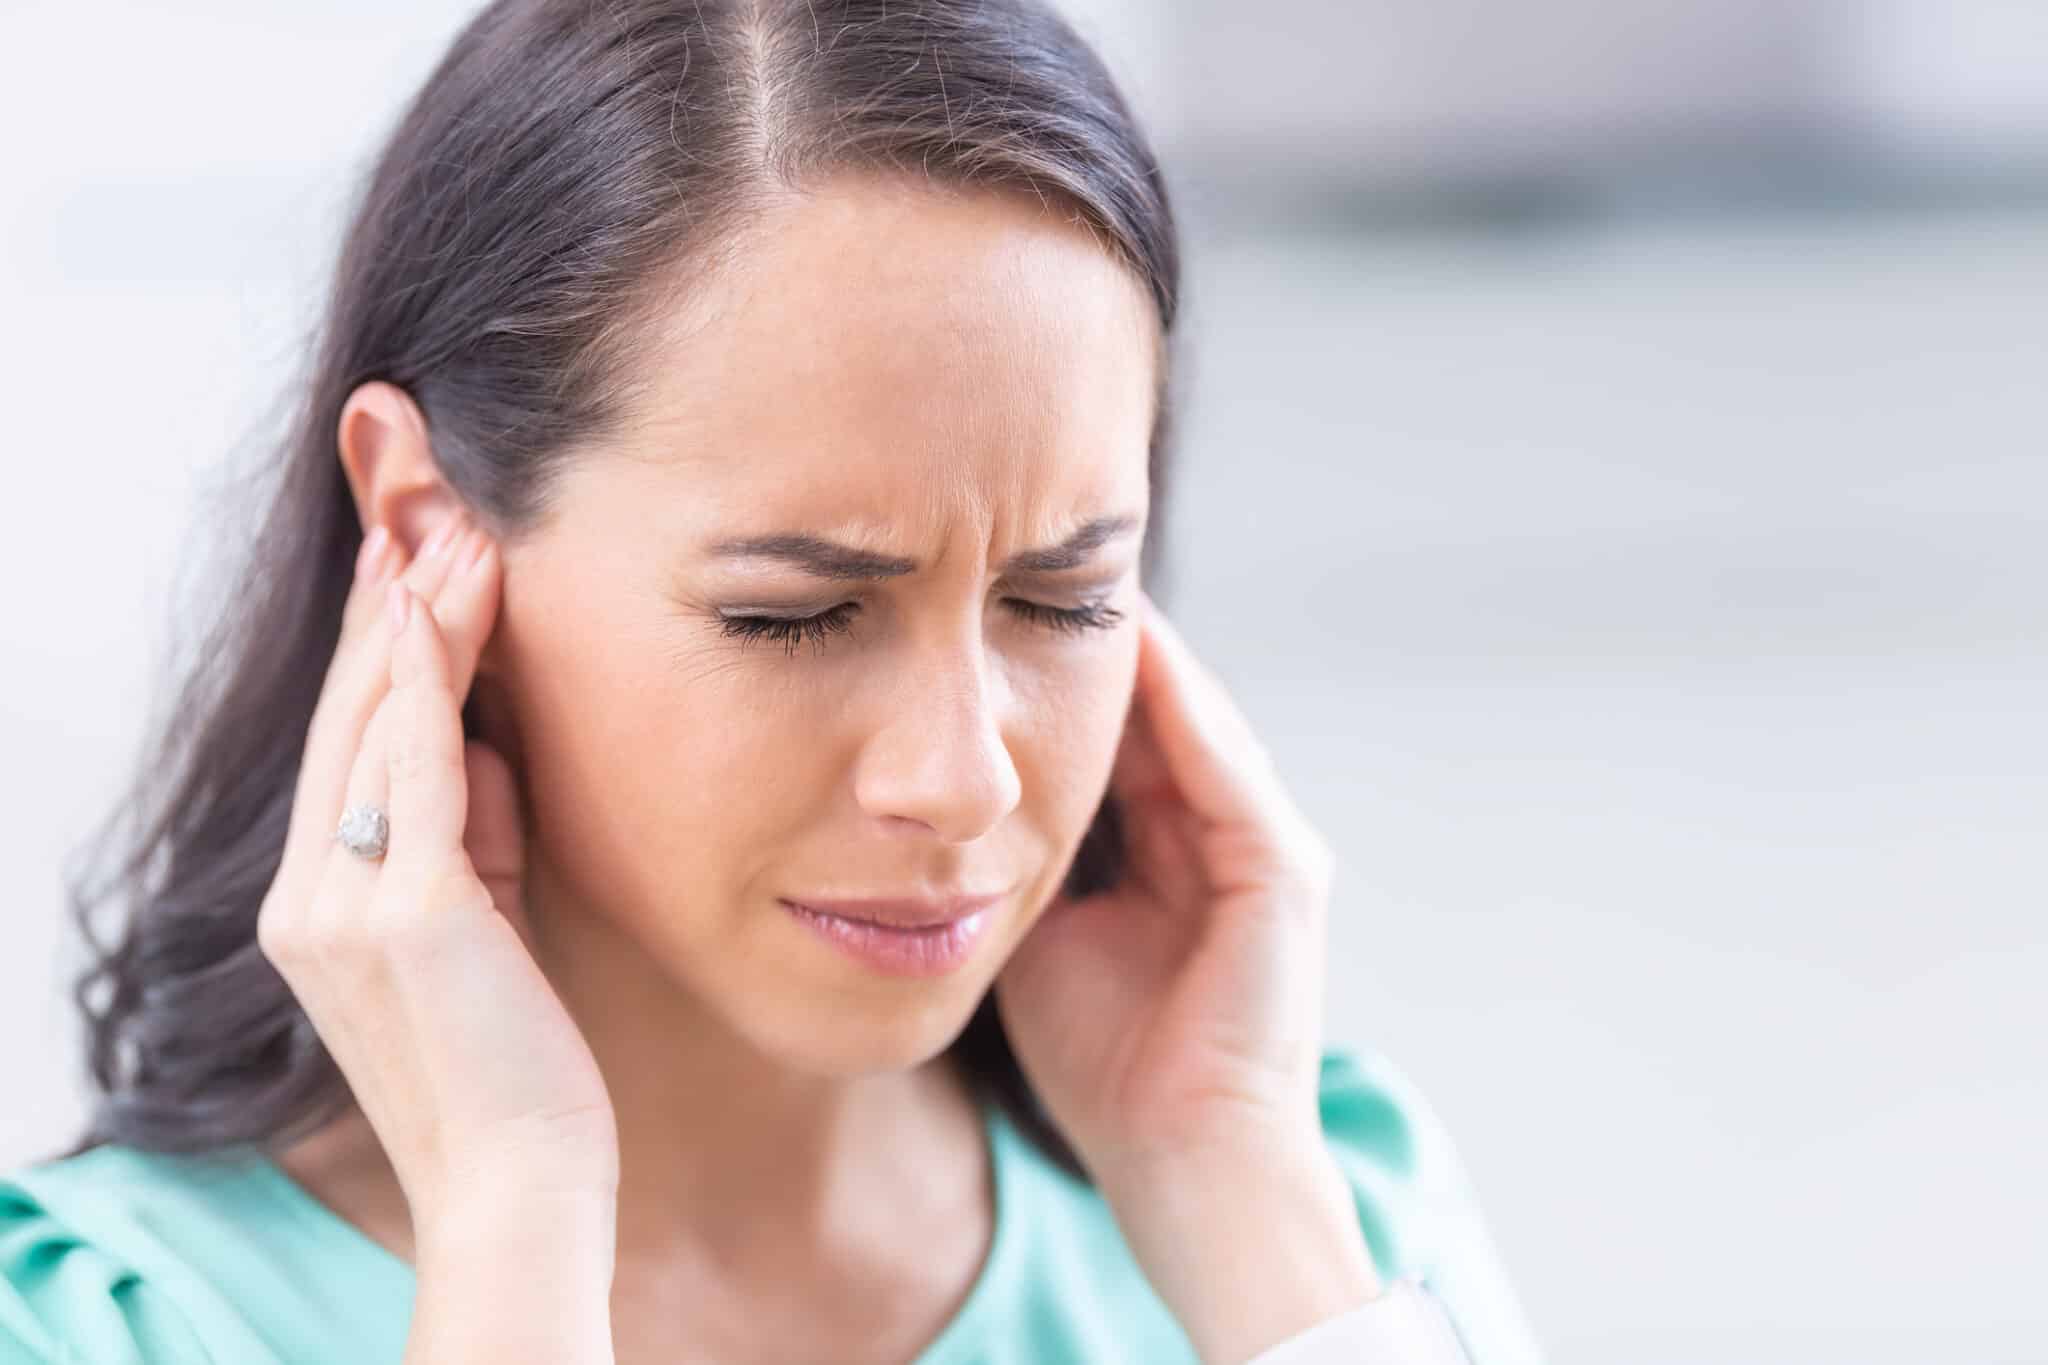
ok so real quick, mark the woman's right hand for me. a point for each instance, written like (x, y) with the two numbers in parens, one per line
(417, 970)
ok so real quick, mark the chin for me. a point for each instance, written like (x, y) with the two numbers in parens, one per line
(866, 1037)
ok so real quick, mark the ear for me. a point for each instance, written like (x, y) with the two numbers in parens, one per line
(388, 460)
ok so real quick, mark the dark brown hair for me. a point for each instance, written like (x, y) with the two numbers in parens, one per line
(509, 244)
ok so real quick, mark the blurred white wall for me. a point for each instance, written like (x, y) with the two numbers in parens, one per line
(1408, 91)
(1385, 88)
(1654, 622)
(1962, 78)
(1651, 618)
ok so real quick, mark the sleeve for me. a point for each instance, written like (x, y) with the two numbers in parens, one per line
(64, 1302)
(1405, 1325)
(1417, 1206)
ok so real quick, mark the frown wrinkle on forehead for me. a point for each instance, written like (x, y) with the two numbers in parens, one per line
(821, 558)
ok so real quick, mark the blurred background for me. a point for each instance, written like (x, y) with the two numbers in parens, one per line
(1626, 421)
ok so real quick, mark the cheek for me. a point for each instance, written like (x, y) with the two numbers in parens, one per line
(653, 769)
(1067, 730)
(706, 757)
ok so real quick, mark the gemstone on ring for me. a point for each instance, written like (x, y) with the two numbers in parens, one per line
(364, 830)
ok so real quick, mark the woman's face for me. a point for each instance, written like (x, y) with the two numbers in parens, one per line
(952, 381)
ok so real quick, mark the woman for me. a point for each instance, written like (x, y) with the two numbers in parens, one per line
(692, 841)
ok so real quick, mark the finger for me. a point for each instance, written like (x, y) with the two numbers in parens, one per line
(1222, 768)
(454, 576)
(424, 751)
(422, 570)
(359, 670)
(492, 835)
(359, 674)
(368, 784)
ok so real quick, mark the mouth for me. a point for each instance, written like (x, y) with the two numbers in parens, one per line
(900, 912)
(928, 949)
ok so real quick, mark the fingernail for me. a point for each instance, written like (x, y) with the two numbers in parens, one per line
(369, 558)
(438, 542)
(398, 606)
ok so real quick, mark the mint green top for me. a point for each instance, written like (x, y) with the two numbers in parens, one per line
(119, 1256)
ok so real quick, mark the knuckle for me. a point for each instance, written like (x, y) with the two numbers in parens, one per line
(453, 886)
(408, 752)
(386, 929)
(320, 935)
(408, 759)
(293, 934)
(402, 916)
(413, 745)
(396, 927)
(274, 938)
(279, 912)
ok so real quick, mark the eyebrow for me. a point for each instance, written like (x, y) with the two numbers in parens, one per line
(846, 563)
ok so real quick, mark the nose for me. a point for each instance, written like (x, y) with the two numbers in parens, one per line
(940, 760)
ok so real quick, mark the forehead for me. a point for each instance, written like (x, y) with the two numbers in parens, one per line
(878, 347)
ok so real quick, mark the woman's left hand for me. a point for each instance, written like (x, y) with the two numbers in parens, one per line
(1179, 1013)
(1172, 1024)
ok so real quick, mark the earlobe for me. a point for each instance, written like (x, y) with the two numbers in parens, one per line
(388, 459)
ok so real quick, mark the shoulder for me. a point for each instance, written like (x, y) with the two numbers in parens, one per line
(1416, 1202)
(69, 1287)
(120, 1254)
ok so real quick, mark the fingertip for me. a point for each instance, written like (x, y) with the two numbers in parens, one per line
(478, 556)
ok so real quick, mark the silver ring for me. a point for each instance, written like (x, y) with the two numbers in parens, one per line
(365, 831)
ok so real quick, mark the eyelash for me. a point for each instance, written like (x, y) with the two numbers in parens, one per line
(792, 630)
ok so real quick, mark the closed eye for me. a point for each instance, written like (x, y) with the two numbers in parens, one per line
(792, 630)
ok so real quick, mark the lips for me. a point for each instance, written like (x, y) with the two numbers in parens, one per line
(891, 951)
(898, 912)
